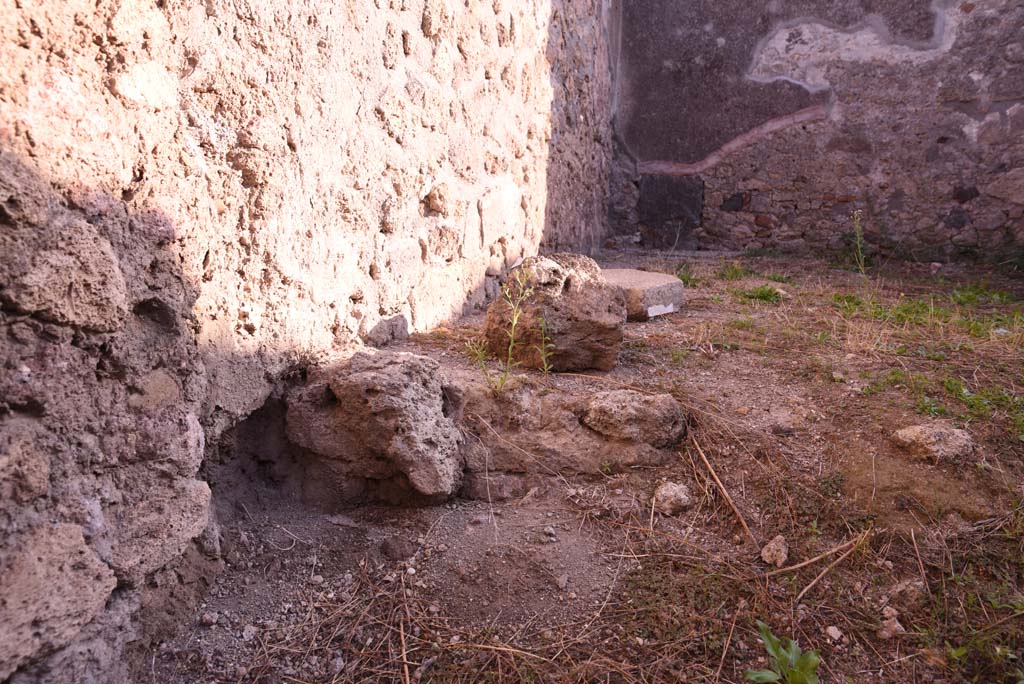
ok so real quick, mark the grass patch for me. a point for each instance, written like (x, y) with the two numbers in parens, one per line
(928, 312)
(686, 275)
(990, 401)
(733, 270)
(975, 294)
(742, 324)
(765, 293)
(678, 356)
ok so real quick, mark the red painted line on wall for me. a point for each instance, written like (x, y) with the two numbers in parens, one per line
(755, 135)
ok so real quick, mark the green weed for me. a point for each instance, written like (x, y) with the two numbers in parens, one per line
(857, 247)
(686, 275)
(732, 270)
(679, 355)
(742, 324)
(974, 294)
(789, 664)
(545, 348)
(929, 406)
(848, 304)
(765, 293)
(515, 292)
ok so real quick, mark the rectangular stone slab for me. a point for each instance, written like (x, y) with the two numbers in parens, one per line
(647, 294)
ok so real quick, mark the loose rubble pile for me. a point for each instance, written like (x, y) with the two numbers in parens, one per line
(382, 415)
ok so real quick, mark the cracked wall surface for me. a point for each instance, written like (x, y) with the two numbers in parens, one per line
(197, 198)
(781, 119)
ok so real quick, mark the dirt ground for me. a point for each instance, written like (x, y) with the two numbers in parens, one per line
(795, 374)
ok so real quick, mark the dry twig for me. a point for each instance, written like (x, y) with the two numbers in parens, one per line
(725, 492)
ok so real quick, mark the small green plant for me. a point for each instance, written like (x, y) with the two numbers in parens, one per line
(545, 348)
(974, 294)
(779, 278)
(732, 270)
(929, 406)
(765, 293)
(515, 292)
(477, 353)
(744, 323)
(686, 275)
(857, 248)
(847, 303)
(789, 664)
(679, 355)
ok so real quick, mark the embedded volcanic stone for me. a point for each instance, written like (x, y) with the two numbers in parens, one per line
(647, 294)
(528, 431)
(657, 420)
(1009, 186)
(570, 304)
(49, 588)
(938, 442)
(381, 414)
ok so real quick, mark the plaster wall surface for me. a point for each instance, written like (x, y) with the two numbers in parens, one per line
(197, 198)
(765, 125)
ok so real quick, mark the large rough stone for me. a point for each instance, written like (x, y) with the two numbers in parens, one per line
(938, 442)
(156, 525)
(526, 430)
(72, 278)
(1008, 186)
(647, 294)
(52, 586)
(381, 414)
(656, 419)
(24, 463)
(571, 305)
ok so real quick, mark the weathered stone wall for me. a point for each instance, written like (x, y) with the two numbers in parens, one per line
(765, 125)
(195, 198)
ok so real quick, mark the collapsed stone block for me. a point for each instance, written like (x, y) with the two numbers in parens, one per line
(382, 414)
(567, 307)
(647, 294)
(656, 419)
(528, 432)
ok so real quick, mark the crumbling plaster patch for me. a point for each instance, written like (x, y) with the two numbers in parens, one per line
(803, 50)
